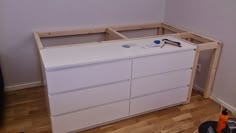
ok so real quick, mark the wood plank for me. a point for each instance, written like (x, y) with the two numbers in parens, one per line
(136, 27)
(200, 38)
(38, 41)
(71, 32)
(26, 110)
(212, 71)
(172, 28)
(196, 37)
(194, 69)
(182, 117)
(111, 34)
(208, 46)
(79, 31)
(160, 31)
(205, 37)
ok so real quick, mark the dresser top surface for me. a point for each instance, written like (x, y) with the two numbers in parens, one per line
(77, 55)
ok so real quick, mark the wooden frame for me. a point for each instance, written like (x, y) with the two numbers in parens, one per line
(112, 34)
(203, 44)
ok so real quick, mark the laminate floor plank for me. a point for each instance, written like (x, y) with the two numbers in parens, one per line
(26, 110)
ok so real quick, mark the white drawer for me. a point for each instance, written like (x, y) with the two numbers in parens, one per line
(158, 100)
(160, 82)
(90, 117)
(78, 100)
(87, 76)
(162, 63)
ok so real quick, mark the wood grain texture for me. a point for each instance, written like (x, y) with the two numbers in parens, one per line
(194, 69)
(26, 110)
(38, 41)
(212, 72)
(114, 35)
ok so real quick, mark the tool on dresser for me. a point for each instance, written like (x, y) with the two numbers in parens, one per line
(170, 42)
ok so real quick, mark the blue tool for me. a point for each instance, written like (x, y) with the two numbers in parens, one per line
(157, 41)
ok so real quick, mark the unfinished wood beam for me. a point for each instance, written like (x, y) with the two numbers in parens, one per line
(184, 35)
(212, 71)
(39, 46)
(114, 35)
(160, 31)
(194, 69)
(196, 37)
(191, 37)
(136, 27)
(72, 32)
(38, 41)
(208, 46)
(200, 38)
(205, 37)
(172, 28)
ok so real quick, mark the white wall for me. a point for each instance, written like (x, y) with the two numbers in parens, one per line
(215, 18)
(18, 19)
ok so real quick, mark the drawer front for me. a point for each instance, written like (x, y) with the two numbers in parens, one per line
(90, 117)
(158, 100)
(87, 76)
(151, 65)
(160, 82)
(78, 100)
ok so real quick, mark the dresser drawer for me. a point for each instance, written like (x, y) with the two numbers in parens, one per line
(87, 76)
(160, 82)
(158, 100)
(162, 63)
(82, 99)
(90, 117)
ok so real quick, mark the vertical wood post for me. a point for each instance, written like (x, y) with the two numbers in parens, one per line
(212, 71)
(194, 69)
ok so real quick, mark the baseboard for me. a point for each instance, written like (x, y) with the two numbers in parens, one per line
(198, 88)
(217, 100)
(224, 104)
(23, 86)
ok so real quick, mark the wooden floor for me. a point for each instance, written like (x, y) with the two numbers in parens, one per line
(26, 111)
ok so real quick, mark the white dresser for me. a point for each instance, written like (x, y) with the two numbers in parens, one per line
(89, 85)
